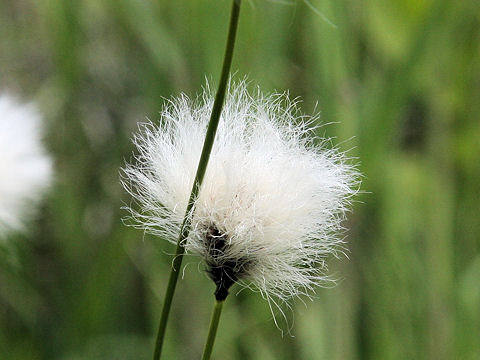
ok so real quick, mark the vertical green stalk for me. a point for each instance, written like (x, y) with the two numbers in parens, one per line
(202, 167)
(217, 311)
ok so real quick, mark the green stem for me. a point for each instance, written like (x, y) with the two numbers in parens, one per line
(202, 167)
(217, 311)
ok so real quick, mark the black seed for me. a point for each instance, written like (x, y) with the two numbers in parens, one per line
(224, 272)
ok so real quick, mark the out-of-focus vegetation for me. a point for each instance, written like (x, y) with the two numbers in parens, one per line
(399, 80)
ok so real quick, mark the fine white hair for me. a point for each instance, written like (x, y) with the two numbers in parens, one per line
(274, 192)
(25, 168)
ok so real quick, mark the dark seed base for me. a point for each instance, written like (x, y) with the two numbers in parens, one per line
(227, 272)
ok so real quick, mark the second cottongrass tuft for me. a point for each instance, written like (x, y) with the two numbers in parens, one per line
(25, 166)
(271, 206)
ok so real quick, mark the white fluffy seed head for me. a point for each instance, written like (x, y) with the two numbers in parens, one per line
(25, 169)
(274, 194)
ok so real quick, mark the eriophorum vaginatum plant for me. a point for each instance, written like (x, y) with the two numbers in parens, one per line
(25, 168)
(270, 209)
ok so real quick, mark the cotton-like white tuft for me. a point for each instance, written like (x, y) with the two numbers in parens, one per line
(25, 169)
(273, 198)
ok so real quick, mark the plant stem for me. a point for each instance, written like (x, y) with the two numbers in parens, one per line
(217, 311)
(202, 167)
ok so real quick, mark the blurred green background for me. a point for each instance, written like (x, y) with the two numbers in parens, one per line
(399, 80)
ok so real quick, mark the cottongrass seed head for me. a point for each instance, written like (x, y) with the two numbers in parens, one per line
(273, 198)
(25, 168)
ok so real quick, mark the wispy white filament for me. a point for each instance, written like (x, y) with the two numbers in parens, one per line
(25, 169)
(276, 192)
